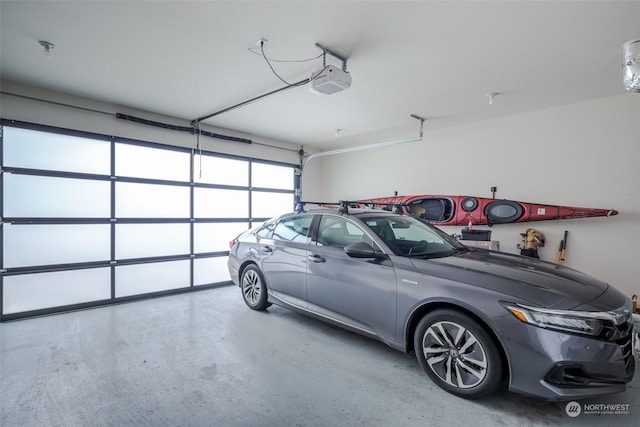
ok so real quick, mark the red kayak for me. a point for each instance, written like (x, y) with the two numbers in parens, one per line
(461, 210)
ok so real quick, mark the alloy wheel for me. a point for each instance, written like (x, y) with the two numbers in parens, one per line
(251, 287)
(454, 354)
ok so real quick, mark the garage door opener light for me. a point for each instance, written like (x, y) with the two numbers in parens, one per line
(330, 79)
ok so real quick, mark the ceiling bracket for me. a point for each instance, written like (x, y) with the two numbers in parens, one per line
(422, 120)
(326, 51)
(304, 158)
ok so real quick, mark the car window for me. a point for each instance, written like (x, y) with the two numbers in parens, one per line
(403, 231)
(266, 231)
(293, 229)
(338, 232)
(408, 236)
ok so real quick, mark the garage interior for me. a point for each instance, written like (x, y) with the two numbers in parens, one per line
(138, 138)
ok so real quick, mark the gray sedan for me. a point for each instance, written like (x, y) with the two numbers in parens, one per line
(477, 320)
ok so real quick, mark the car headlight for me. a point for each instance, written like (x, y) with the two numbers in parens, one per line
(582, 322)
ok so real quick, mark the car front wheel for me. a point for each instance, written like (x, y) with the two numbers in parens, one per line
(458, 354)
(254, 290)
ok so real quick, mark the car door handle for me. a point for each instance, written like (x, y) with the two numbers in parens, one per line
(316, 258)
(266, 249)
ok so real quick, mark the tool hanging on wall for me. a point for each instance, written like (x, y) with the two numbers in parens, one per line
(563, 249)
(531, 239)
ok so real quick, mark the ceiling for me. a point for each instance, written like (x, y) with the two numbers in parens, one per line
(437, 60)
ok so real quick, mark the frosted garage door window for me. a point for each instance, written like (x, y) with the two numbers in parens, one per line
(211, 270)
(43, 197)
(271, 176)
(151, 201)
(150, 240)
(32, 245)
(214, 203)
(209, 237)
(154, 277)
(45, 290)
(32, 149)
(153, 163)
(268, 205)
(219, 170)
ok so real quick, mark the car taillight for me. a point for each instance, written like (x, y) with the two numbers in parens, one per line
(232, 243)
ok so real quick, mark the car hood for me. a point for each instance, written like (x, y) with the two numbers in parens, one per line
(526, 279)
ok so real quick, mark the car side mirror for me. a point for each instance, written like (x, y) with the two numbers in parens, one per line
(361, 250)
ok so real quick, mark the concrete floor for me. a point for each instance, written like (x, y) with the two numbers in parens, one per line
(205, 359)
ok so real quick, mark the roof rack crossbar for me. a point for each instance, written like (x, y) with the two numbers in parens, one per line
(300, 205)
(344, 205)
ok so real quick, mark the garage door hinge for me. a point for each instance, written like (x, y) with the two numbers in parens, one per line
(113, 262)
(4, 270)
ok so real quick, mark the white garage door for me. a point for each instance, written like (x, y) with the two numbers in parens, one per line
(90, 219)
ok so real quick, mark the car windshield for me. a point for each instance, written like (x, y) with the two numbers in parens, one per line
(408, 236)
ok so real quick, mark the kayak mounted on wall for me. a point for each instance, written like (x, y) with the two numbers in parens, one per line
(462, 210)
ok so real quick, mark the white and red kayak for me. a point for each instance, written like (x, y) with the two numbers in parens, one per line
(462, 210)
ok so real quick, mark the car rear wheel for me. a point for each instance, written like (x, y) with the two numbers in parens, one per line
(458, 354)
(254, 290)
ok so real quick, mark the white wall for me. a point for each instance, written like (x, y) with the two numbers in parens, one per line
(585, 154)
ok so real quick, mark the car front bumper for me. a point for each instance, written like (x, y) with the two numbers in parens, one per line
(559, 366)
